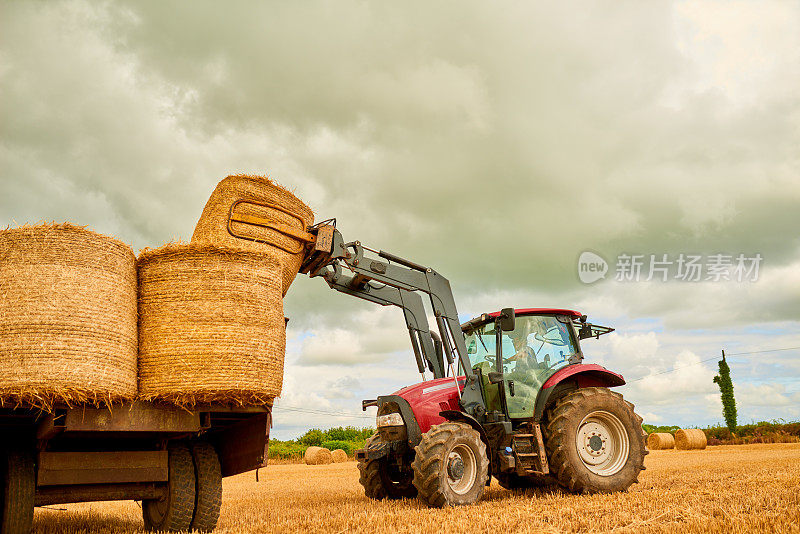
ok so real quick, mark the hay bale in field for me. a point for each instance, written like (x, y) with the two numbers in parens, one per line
(690, 438)
(660, 440)
(242, 196)
(339, 456)
(67, 317)
(318, 456)
(211, 325)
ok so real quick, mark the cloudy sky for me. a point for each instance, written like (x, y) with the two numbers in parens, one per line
(493, 142)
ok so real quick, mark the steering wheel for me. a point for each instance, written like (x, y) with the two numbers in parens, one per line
(491, 358)
(558, 342)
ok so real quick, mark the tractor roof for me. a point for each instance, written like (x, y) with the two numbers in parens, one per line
(486, 317)
(541, 311)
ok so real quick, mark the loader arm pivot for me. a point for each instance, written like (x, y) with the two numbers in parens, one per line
(390, 280)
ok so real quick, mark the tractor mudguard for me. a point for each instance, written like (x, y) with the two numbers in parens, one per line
(582, 376)
(412, 427)
(455, 415)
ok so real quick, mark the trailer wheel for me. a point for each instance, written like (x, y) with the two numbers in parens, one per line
(451, 467)
(18, 487)
(208, 494)
(381, 480)
(173, 512)
(594, 441)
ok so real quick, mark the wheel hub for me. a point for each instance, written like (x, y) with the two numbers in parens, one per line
(602, 443)
(461, 469)
(455, 468)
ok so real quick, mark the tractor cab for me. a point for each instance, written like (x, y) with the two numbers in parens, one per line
(534, 344)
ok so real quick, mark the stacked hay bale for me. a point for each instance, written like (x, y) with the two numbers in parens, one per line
(211, 325)
(233, 215)
(660, 440)
(339, 456)
(690, 438)
(318, 456)
(68, 308)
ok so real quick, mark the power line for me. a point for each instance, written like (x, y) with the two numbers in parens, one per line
(708, 360)
(321, 412)
(759, 351)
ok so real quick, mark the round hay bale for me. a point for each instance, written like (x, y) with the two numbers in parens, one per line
(241, 196)
(211, 325)
(660, 440)
(339, 456)
(690, 438)
(318, 456)
(68, 317)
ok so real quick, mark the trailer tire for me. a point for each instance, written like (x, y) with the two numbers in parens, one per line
(451, 467)
(379, 483)
(208, 492)
(594, 441)
(175, 511)
(18, 486)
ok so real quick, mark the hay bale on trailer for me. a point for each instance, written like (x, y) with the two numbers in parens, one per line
(660, 440)
(318, 456)
(68, 309)
(211, 325)
(690, 438)
(256, 214)
(339, 456)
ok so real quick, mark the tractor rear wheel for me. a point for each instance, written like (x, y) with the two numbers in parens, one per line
(383, 480)
(17, 490)
(451, 467)
(594, 441)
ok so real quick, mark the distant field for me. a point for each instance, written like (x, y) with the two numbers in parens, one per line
(747, 488)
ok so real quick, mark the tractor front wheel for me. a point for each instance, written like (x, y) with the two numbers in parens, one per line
(451, 467)
(594, 441)
(383, 480)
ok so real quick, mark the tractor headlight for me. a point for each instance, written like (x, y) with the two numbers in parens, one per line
(390, 419)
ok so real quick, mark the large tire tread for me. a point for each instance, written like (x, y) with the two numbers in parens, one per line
(571, 474)
(208, 484)
(17, 492)
(429, 464)
(376, 481)
(181, 491)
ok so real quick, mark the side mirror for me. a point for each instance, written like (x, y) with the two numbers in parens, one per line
(507, 319)
(585, 332)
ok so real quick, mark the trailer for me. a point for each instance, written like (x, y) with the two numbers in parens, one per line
(170, 458)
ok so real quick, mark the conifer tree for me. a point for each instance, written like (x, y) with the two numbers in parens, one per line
(723, 379)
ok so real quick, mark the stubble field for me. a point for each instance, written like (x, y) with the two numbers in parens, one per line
(745, 488)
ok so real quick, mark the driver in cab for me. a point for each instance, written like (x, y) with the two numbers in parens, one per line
(524, 355)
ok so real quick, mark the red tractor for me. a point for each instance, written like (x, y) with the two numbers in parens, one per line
(510, 396)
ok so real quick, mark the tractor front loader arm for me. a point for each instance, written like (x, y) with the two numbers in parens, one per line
(390, 280)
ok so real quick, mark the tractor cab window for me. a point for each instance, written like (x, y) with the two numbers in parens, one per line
(538, 346)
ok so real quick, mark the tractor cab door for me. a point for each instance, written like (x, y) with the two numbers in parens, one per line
(538, 346)
(482, 355)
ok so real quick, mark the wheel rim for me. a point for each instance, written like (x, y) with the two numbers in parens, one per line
(157, 510)
(461, 469)
(602, 443)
